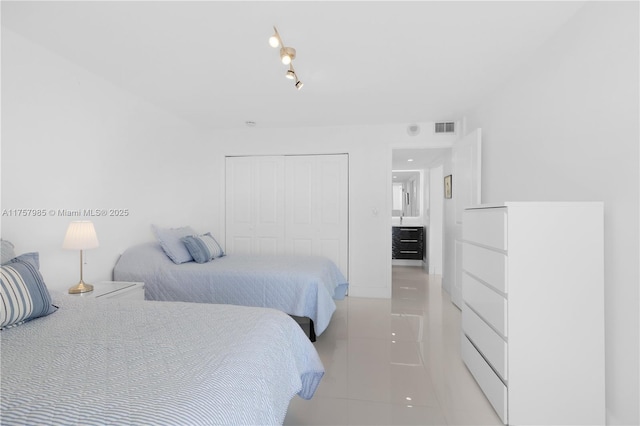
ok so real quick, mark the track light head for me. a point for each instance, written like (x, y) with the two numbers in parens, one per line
(274, 40)
(291, 73)
(299, 85)
(287, 54)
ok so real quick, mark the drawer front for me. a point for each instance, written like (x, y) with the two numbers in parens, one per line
(408, 245)
(491, 306)
(488, 265)
(486, 226)
(489, 343)
(493, 388)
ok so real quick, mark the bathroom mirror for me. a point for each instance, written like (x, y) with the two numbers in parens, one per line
(406, 193)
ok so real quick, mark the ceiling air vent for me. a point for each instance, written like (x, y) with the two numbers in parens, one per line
(447, 127)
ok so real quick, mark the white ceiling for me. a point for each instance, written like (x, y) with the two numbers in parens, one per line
(361, 62)
(416, 158)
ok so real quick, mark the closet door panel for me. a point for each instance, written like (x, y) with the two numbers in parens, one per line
(330, 186)
(301, 192)
(240, 245)
(317, 206)
(240, 198)
(269, 208)
(239, 205)
(255, 205)
(303, 246)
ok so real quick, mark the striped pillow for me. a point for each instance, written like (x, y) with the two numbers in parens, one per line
(203, 248)
(23, 294)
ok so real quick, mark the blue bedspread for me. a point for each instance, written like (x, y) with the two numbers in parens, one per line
(140, 362)
(303, 286)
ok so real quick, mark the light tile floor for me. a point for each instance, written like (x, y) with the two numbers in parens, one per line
(395, 362)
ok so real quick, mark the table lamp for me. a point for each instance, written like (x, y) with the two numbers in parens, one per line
(81, 235)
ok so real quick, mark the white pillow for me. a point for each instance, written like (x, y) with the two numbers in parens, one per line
(171, 242)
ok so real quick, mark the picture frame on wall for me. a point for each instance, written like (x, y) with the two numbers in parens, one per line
(447, 186)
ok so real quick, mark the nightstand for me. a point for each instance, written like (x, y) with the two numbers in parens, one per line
(115, 290)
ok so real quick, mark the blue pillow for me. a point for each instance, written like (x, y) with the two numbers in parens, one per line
(170, 241)
(23, 294)
(203, 248)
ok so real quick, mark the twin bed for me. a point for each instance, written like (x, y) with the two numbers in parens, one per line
(82, 361)
(302, 286)
(139, 362)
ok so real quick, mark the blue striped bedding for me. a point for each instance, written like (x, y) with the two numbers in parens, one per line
(138, 362)
(304, 286)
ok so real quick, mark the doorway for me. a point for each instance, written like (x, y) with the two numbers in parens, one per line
(429, 162)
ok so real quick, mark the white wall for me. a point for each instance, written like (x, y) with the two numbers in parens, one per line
(566, 128)
(449, 231)
(73, 141)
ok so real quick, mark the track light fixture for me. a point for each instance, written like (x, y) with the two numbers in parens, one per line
(287, 55)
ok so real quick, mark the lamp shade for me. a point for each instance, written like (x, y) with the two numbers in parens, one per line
(80, 235)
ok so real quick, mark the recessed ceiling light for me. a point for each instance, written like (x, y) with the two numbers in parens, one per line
(410, 160)
(250, 123)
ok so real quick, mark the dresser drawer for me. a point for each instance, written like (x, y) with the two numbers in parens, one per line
(487, 227)
(488, 265)
(491, 306)
(489, 343)
(491, 385)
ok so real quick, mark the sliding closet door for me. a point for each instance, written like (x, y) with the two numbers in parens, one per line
(255, 205)
(316, 213)
(288, 204)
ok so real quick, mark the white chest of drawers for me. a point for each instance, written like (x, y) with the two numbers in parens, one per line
(533, 311)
